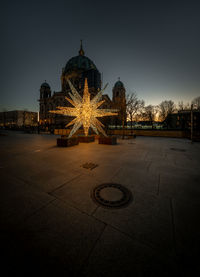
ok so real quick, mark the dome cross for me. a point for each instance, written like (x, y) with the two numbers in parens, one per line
(81, 52)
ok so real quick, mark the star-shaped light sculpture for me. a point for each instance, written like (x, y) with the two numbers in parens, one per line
(85, 110)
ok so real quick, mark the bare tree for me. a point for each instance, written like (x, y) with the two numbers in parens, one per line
(134, 106)
(183, 106)
(165, 108)
(150, 113)
(196, 102)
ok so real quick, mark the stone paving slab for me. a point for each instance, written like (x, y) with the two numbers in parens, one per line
(138, 178)
(187, 230)
(77, 193)
(18, 200)
(118, 255)
(39, 175)
(55, 240)
(147, 219)
(50, 179)
(102, 172)
(180, 184)
(49, 221)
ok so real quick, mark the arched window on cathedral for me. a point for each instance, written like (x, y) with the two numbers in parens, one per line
(50, 107)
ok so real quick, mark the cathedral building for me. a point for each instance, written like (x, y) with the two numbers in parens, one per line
(77, 69)
(119, 103)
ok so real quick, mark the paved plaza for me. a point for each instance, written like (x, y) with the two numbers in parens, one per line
(50, 224)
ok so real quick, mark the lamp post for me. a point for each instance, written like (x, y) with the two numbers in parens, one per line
(193, 107)
(191, 123)
(38, 122)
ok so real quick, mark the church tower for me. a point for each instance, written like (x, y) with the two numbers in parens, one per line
(45, 95)
(119, 102)
(45, 90)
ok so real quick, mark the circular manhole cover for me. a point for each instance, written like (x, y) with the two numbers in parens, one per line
(111, 195)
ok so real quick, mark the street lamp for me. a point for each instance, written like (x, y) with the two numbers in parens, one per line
(191, 134)
(192, 121)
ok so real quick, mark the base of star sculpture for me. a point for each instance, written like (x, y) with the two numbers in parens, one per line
(108, 140)
(86, 139)
(64, 141)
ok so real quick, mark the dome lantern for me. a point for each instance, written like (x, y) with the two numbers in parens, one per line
(119, 84)
(45, 85)
(81, 52)
(45, 90)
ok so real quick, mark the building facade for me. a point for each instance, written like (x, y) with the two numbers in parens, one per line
(119, 103)
(17, 119)
(182, 120)
(185, 120)
(77, 69)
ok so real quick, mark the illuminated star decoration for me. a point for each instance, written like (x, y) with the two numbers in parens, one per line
(85, 110)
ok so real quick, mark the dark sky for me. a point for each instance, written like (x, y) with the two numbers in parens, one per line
(153, 46)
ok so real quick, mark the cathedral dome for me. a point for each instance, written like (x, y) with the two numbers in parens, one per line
(119, 84)
(45, 85)
(80, 62)
(77, 69)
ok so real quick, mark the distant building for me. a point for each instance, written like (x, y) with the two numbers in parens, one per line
(119, 102)
(77, 69)
(182, 120)
(17, 119)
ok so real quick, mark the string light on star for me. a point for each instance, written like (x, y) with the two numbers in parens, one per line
(85, 110)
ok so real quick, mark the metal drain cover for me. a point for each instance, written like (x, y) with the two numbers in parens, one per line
(111, 195)
(89, 166)
(178, 149)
